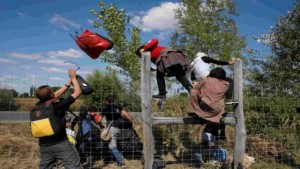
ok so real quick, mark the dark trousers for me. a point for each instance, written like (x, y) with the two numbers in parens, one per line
(229, 92)
(179, 73)
(214, 130)
(63, 151)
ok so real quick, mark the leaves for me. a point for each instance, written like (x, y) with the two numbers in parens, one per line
(110, 84)
(282, 68)
(115, 22)
(207, 26)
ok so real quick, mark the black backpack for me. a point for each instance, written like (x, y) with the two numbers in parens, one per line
(43, 121)
(86, 89)
(158, 162)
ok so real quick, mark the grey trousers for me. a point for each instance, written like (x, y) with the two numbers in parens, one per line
(64, 151)
(113, 134)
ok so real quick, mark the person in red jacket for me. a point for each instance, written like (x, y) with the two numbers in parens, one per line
(169, 63)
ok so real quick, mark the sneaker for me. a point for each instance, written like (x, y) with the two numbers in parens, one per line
(229, 101)
(122, 165)
(198, 156)
(159, 96)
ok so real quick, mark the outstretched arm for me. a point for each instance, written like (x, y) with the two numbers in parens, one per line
(62, 90)
(126, 115)
(77, 90)
(207, 59)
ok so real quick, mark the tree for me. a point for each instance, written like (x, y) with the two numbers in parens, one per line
(282, 67)
(115, 21)
(24, 95)
(207, 26)
(31, 91)
(110, 84)
(7, 102)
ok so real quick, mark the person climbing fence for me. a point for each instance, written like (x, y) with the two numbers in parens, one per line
(169, 62)
(201, 67)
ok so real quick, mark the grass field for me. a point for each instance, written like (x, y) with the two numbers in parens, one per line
(19, 150)
(26, 104)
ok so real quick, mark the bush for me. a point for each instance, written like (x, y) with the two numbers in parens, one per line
(7, 102)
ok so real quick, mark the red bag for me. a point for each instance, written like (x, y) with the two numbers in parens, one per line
(92, 43)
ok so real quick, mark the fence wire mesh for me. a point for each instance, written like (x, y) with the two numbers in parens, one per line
(272, 126)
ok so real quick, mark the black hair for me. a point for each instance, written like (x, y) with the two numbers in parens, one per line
(218, 73)
(110, 99)
(83, 111)
(93, 109)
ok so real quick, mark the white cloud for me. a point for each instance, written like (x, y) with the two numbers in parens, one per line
(89, 21)
(160, 18)
(2, 79)
(56, 79)
(70, 53)
(54, 62)
(9, 86)
(63, 22)
(7, 61)
(26, 67)
(32, 77)
(85, 73)
(21, 14)
(25, 56)
(54, 70)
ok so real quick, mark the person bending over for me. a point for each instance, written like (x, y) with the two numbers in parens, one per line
(169, 63)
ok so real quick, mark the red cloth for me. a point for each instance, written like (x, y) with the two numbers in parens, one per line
(92, 43)
(154, 49)
(97, 118)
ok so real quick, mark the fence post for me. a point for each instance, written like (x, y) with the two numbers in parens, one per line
(146, 110)
(240, 132)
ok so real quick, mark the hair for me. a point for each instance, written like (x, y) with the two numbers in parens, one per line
(218, 73)
(93, 109)
(110, 99)
(83, 111)
(44, 93)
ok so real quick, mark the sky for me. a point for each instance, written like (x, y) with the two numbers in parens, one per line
(35, 34)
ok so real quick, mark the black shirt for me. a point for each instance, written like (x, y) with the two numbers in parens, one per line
(112, 113)
(60, 108)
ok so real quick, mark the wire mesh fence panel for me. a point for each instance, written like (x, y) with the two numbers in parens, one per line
(272, 127)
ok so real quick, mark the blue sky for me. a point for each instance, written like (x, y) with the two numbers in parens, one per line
(35, 41)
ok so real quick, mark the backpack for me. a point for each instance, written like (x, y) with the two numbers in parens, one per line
(43, 121)
(92, 43)
(129, 143)
(86, 89)
(90, 129)
(158, 163)
(220, 154)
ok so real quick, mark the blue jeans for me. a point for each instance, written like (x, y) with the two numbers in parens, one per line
(113, 144)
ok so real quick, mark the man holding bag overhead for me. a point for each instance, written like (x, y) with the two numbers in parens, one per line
(57, 146)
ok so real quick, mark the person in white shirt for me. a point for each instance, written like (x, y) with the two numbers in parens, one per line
(201, 66)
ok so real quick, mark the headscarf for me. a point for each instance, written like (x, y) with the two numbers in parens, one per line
(218, 73)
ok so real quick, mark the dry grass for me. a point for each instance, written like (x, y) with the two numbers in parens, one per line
(17, 149)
